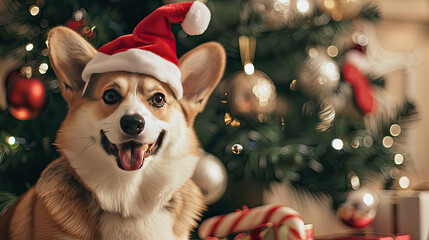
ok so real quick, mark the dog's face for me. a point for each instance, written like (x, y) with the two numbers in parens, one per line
(134, 113)
(128, 131)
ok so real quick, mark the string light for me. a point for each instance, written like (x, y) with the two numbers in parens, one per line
(395, 130)
(43, 68)
(303, 6)
(354, 143)
(362, 40)
(368, 199)
(368, 141)
(332, 51)
(249, 68)
(387, 141)
(313, 53)
(355, 182)
(11, 140)
(29, 47)
(337, 144)
(34, 10)
(399, 159)
(404, 182)
(329, 3)
(292, 85)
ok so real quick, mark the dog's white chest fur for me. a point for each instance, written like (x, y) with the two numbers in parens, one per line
(158, 225)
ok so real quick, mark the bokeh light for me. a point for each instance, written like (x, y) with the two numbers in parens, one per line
(337, 143)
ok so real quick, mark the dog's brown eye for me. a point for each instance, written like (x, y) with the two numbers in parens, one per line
(111, 97)
(158, 99)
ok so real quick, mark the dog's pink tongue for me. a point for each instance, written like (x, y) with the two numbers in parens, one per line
(131, 158)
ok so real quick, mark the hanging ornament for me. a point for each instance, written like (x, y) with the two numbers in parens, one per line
(25, 96)
(356, 64)
(280, 13)
(318, 75)
(251, 92)
(211, 177)
(326, 116)
(78, 24)
(8, 63)
(252, 95)
(359, 209)
(237, 148)
(341, 9)
(75, 25)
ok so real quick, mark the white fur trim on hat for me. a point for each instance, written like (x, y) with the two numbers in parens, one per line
(359, 59)
(197, 19)
(136, 61)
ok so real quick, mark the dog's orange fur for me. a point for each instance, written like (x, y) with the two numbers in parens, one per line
(61, 204)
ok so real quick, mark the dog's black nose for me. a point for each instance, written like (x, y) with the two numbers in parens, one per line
(132, 124)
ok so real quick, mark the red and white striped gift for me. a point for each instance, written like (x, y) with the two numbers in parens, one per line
(251, 219)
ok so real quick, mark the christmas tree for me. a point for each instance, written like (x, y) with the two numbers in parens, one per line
(299, 101)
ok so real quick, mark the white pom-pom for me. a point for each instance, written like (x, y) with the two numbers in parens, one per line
(197, 19)
(358, 59)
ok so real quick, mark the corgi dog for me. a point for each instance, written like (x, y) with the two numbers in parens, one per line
(128, 152)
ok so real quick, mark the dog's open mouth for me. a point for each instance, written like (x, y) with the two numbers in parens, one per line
(130, 155)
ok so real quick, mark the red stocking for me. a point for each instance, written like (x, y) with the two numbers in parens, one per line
(362, 89)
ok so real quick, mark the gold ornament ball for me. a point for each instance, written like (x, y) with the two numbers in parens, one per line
(211, 177)
(252, 95)
(318, 75)
(359, 209)
(341, 9)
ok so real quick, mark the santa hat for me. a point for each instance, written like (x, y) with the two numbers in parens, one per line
(151, 48)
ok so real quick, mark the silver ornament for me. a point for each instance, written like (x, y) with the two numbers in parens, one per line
(211, 177)
(318, 75)
(359, 209)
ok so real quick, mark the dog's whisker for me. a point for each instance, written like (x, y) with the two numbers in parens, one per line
(89, 144)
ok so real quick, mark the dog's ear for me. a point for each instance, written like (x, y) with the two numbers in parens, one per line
(69, 53)
(202, 69)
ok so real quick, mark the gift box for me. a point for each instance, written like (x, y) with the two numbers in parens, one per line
(403, 212)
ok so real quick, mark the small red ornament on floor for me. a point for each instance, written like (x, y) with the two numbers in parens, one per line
(25, 96)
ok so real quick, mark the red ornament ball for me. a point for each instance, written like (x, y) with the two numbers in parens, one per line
(75, 25)
(25, 97)
(359, 209)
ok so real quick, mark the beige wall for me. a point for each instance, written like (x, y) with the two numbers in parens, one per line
(404, 29)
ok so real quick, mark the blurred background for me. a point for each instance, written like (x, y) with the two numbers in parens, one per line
(322, 105)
